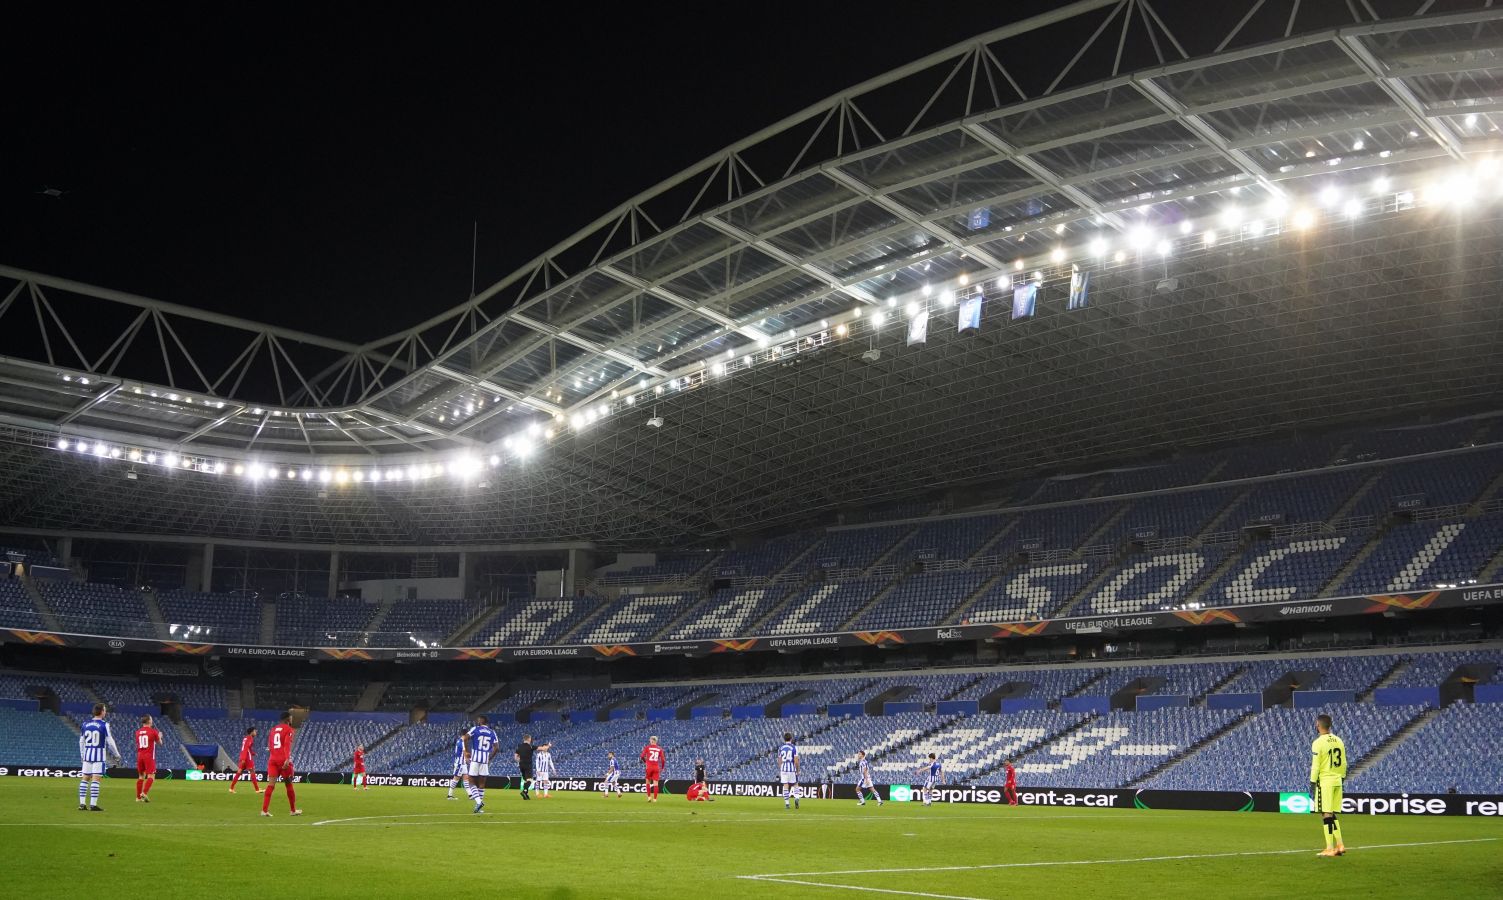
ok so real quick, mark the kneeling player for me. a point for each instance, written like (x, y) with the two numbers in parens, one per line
(147, 739)
(700, 789)
(247, 761)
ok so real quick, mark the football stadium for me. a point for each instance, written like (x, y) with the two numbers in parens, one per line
(1019, 473)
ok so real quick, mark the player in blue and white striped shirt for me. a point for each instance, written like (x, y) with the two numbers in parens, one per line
(864, 780)
(934, 774)
(479, 743)
(543, 771)
(459, 773)
(94, 742)
(788, 770)
(612, 776)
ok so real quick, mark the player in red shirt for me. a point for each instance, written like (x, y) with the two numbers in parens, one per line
(147, 739)
(279, 765)
(1011, 787)
(247, 760)
(652, 760)
(359, 777)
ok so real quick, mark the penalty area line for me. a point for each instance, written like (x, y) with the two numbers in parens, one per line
(795, 877)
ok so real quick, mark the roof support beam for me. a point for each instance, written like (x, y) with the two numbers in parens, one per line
(1400, 93)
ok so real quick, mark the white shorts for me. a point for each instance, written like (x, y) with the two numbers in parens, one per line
(459, 767)
(478, 769)
(866, 786)
(541, 778)
(93, 768)
(786, 778)
(612, 778)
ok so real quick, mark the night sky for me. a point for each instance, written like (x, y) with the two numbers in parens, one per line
(323, 172)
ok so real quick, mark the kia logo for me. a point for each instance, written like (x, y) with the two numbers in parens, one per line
(116, 644)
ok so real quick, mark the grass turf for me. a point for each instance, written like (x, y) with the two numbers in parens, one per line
(195, 840)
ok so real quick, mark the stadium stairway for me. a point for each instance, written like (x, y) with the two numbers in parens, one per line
(954, 615)
(985, 550)
(1193, 750)
(467, 630)
(757, 627)
(382, 611)
(154, 613)
(980, 776)
(68, 720)
(1214, 474)
(350, 760)
(1090, 683)
(1333, 586)
(890, 747)
(677, 621)
(370, 698)
(489, 701)
(1233, 675)
(1213, 577)
(248, 693)
(1388, 678)
(886, 555)
(1493, 569)
(233, 702)
(268, 624)
(585, 622)
(1345, 509)
(1217, 521)
(1393, 741)
(49, 618)
(1112, 568)
(1493, 490)
(878, 597)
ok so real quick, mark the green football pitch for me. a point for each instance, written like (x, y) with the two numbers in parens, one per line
(195, 840)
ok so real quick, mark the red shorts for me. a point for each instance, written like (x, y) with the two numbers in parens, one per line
(654, 773)
(278, 768)
(146, 764)
(247, 763)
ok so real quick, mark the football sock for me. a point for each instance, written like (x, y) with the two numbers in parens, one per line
(291, 797)
(138, 787)
(93, 793)
(146, 786)
(1336, 830)
(83, 792)
(271, 788)
(1330, 833)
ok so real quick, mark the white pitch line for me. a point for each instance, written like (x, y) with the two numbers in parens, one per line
(1083, 862)
(656, 816)
(853, 887)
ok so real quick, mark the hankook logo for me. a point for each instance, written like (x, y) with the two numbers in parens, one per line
(1305, 610)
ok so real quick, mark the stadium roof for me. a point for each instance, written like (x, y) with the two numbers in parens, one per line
(1291, 224)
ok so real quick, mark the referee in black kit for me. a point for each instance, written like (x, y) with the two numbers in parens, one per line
(523, 756)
